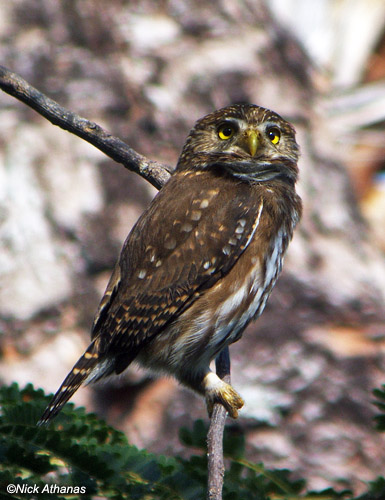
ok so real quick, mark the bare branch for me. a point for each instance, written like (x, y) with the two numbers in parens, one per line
(155, 173)
(216, 467)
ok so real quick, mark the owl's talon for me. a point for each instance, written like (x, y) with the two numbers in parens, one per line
(220, 392)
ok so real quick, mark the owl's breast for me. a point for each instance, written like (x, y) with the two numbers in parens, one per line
(251, 282)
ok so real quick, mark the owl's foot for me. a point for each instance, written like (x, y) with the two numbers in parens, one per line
(218, 391)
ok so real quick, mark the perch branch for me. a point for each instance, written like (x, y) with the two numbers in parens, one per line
(157, 174)
(216, 467)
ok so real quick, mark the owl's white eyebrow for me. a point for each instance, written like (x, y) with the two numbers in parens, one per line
(271, 123)
(232, 120)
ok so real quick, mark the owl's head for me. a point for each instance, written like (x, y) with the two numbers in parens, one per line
(248, 141)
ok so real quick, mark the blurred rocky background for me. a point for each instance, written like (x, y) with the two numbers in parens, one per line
(146, 71)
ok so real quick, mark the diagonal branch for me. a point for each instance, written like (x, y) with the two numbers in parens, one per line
(157, 174)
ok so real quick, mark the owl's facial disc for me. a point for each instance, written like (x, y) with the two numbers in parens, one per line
(248, 139)
(253, 138)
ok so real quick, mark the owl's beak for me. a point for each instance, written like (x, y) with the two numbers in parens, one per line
(252, 140)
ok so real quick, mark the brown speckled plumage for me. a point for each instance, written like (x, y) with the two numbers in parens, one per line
(201, 261)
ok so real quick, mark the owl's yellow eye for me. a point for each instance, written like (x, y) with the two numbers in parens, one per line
(274, 134)
(226, 131)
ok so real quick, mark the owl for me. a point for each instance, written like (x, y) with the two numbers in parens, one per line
(201, 261)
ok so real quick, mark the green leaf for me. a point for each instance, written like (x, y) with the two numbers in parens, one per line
(195, 438)
(76, 449)
(376, 490)
(79, 449)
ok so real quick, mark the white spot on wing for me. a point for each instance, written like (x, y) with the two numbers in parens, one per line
(226, 250)
(186, 227)
(142, 274)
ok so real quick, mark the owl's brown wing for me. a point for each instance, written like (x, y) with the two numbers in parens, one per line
(191, 235)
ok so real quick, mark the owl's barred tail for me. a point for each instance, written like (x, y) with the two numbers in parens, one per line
(78, 375)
